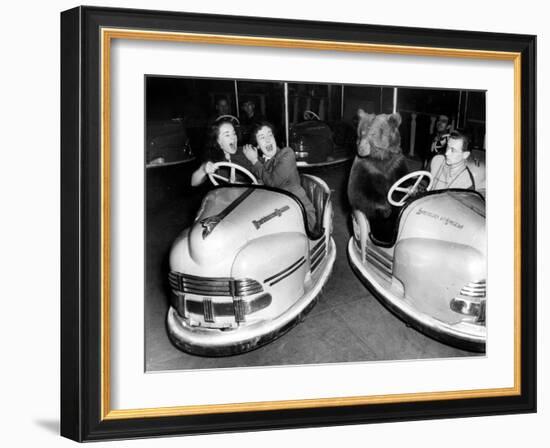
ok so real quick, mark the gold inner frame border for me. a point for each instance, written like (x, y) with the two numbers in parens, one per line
(107, 35)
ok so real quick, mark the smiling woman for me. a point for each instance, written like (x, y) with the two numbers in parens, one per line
(278, 167)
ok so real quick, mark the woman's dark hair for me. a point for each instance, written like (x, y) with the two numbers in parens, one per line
(257, 126)
(213, 152)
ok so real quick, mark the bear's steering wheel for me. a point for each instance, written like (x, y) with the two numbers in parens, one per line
(418, 175)
(213, 176)
(310, 115)
(232, 118)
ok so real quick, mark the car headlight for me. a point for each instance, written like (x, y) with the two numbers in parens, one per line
(471, 301)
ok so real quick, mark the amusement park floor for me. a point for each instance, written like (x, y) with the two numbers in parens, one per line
(347, 324)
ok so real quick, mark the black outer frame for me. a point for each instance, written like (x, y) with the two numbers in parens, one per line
(81, 224)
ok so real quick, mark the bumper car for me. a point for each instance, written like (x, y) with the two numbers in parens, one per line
(432, 274)
(227, 117)
(313, 143)
(167, 143)
(249, 268)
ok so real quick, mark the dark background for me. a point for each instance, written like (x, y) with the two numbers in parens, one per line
(348, 324)
(192, 100)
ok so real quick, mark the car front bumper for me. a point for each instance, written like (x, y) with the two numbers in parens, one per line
(215, 342)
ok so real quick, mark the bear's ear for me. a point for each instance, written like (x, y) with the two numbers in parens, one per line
(361, 113)
(394, 120)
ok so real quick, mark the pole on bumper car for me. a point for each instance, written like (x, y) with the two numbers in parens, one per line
(237, 99)
(286, 114)
(342, 104)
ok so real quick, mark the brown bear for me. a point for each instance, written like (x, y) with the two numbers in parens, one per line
(378, 164)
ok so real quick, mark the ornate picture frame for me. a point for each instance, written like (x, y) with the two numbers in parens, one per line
(87, 36)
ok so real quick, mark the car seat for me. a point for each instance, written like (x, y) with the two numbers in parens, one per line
(318, 197)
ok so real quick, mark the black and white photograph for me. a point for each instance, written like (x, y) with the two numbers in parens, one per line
(295, 222)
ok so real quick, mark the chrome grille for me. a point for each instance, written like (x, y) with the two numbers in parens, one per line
(317, 254)
(238, 307)
(474, 289)
(208, 311)
(210, 286)
(379, 259)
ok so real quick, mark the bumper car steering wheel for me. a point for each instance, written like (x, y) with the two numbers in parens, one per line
(233, 166)
(231, 118)
(410, 190)
(310, 115)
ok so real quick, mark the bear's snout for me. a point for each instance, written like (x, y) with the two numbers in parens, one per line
(363, 147)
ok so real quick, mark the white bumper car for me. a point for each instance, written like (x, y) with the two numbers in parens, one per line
(433, 273)
(248, 269)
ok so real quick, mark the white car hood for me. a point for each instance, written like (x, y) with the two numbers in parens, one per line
(228, 219)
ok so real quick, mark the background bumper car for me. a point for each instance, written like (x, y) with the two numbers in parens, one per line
(315, 143)
(167, 143)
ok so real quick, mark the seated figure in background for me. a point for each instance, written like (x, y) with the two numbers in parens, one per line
(442, 132)
(439, 139)
(248, 119)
